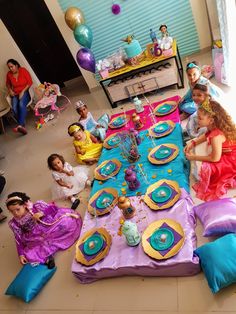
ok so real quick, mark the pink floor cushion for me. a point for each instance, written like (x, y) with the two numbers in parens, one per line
(217, 217)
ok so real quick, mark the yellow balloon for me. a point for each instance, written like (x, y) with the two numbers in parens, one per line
(73, 17)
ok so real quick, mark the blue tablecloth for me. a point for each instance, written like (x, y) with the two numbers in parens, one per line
(177, 170)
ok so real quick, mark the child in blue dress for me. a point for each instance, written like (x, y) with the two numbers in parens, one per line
(97, 128)
(187, 105)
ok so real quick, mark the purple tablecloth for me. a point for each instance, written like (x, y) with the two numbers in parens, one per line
(124, 260)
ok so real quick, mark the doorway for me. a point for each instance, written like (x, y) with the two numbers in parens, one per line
(34, 30)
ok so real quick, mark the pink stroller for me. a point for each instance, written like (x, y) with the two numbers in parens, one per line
(51, 102)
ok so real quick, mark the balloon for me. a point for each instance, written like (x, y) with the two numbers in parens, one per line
(83, 35)
(86, 59)
(73, 17)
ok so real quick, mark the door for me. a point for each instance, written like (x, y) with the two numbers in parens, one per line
(35, 32)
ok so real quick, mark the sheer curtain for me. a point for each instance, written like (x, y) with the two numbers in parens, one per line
(227, 19)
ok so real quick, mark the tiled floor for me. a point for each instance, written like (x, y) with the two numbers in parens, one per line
(26, 170)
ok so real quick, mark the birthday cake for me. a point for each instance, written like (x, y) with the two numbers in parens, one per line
(133, 49)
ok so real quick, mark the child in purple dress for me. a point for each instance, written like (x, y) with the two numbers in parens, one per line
(41, 229)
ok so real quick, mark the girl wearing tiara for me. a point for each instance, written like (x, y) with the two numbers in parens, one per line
(186, 104)
(218, 169)
(97, 128)
(87, 148)
(41, 229)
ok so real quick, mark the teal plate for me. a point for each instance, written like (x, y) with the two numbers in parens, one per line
(161, 194)
(107, 169)
(118, 121)
(161, 128)
(104, 200)
(163, 152)
(97, 241)
(162, 239)
(164, 108)
(113, 141)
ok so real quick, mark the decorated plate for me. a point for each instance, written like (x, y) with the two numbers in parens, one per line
(161, 128)
(163, 239)
(103, 201)
(163, 153)
(107, 169)
(93, 246)
(119, 121)
(162, 194)
(165, 108)
(112, 141)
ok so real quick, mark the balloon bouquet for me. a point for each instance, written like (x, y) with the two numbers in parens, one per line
(83, 35)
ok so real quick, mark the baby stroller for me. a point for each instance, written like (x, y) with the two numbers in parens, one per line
(51, 102)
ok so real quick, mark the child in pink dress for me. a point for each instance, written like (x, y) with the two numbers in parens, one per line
(218, 169)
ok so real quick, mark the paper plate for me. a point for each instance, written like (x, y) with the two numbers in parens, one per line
(96, 204)
(118, 121)
(93, 244)
(161, 128)
(163, 239)
(165, 108)
(162, 195)
(112, 141)
(104, 200)
(107, 169)
(163, 154)
(88, 253)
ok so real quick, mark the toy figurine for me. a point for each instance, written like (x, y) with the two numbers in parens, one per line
(138, 124)
(126, 207)
(130, 231)
(131, 179)
(153, 36)
(138, 105)
(165, 41)
(136, 135)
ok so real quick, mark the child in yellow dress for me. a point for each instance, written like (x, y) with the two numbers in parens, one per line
(87, 148)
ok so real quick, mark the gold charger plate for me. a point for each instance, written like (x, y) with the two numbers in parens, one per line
(152, 204)
(79, 255)
(98, 176)
(92, 207)
(111, 123)
(106, 144)
(173, 104)
(156, 161)
(154, 134)
(175, 226)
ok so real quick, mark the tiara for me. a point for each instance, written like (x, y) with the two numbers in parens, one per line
(192, 65)
(79, 104)
(74, 128)
(207, 107)
(14, 198)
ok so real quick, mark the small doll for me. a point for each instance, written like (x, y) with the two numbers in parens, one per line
(165, 41)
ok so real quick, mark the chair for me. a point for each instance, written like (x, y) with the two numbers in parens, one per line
(30, 103)
(5, 108)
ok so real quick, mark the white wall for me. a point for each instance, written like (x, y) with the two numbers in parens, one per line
(9, 50)
(68, 36)
(202, 23)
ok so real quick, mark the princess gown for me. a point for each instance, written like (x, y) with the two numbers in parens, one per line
(216, 177)
(90, 124)
(188, 105)
(92, 150)
(78, 180)
(37, 241)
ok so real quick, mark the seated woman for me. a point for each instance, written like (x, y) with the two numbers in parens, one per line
(18, 82)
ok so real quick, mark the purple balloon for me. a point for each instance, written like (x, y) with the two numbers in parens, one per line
(86, 59)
